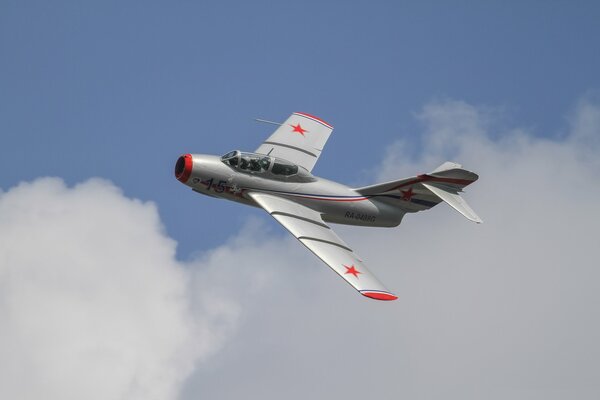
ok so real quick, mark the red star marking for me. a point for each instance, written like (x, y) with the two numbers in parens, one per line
(299, 129)
(407, 194)
(352, 270)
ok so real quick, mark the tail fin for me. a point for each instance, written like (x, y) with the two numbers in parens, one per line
(422, 192)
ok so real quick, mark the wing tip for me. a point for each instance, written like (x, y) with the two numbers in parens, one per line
(315, 118)
(378, 295)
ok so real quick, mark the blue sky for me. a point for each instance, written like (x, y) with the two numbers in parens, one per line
(120, 89)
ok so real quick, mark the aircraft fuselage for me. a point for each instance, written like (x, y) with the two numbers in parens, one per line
(338, 203)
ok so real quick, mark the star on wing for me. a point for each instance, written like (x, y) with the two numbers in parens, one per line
(298, 128)
(352, 270)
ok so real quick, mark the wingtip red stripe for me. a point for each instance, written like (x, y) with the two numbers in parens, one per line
(379, 296)
(315, 118)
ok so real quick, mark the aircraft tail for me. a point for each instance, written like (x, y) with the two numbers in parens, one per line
(422, 192)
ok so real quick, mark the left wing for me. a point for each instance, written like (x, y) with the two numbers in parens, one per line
(308, 227)
(300, 139)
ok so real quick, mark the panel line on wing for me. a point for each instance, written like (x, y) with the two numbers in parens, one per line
(325, 241)
(312, 221)
(292, 147)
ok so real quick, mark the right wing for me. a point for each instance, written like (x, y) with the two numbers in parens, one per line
(308, 227)
(300, 139)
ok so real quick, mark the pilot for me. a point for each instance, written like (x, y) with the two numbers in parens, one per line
(254, 165)
(233, 161)
(264, 163)
(244, 162)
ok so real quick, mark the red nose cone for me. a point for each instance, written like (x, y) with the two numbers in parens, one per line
(183, 168)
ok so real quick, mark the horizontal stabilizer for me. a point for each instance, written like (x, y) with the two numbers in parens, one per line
(454, 201)
(447, 166)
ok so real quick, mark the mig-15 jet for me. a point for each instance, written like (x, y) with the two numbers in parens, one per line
(277, 178)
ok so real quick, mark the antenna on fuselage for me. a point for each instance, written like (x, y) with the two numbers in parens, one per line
(267, 122)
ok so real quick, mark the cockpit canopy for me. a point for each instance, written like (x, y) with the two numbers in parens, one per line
(261, 164)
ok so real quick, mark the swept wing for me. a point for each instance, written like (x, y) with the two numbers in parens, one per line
(300, 139)
(308, 227)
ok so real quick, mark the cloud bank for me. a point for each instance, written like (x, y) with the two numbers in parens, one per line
(93, 303)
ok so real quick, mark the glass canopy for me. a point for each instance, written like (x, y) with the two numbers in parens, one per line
(259, 163)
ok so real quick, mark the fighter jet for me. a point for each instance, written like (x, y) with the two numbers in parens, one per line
(277, 178)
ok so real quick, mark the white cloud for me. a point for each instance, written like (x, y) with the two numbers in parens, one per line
(93, 304)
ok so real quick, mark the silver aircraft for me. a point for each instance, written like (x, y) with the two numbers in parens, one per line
(277, 178)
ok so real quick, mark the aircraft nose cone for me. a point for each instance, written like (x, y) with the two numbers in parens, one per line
(183, 168)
